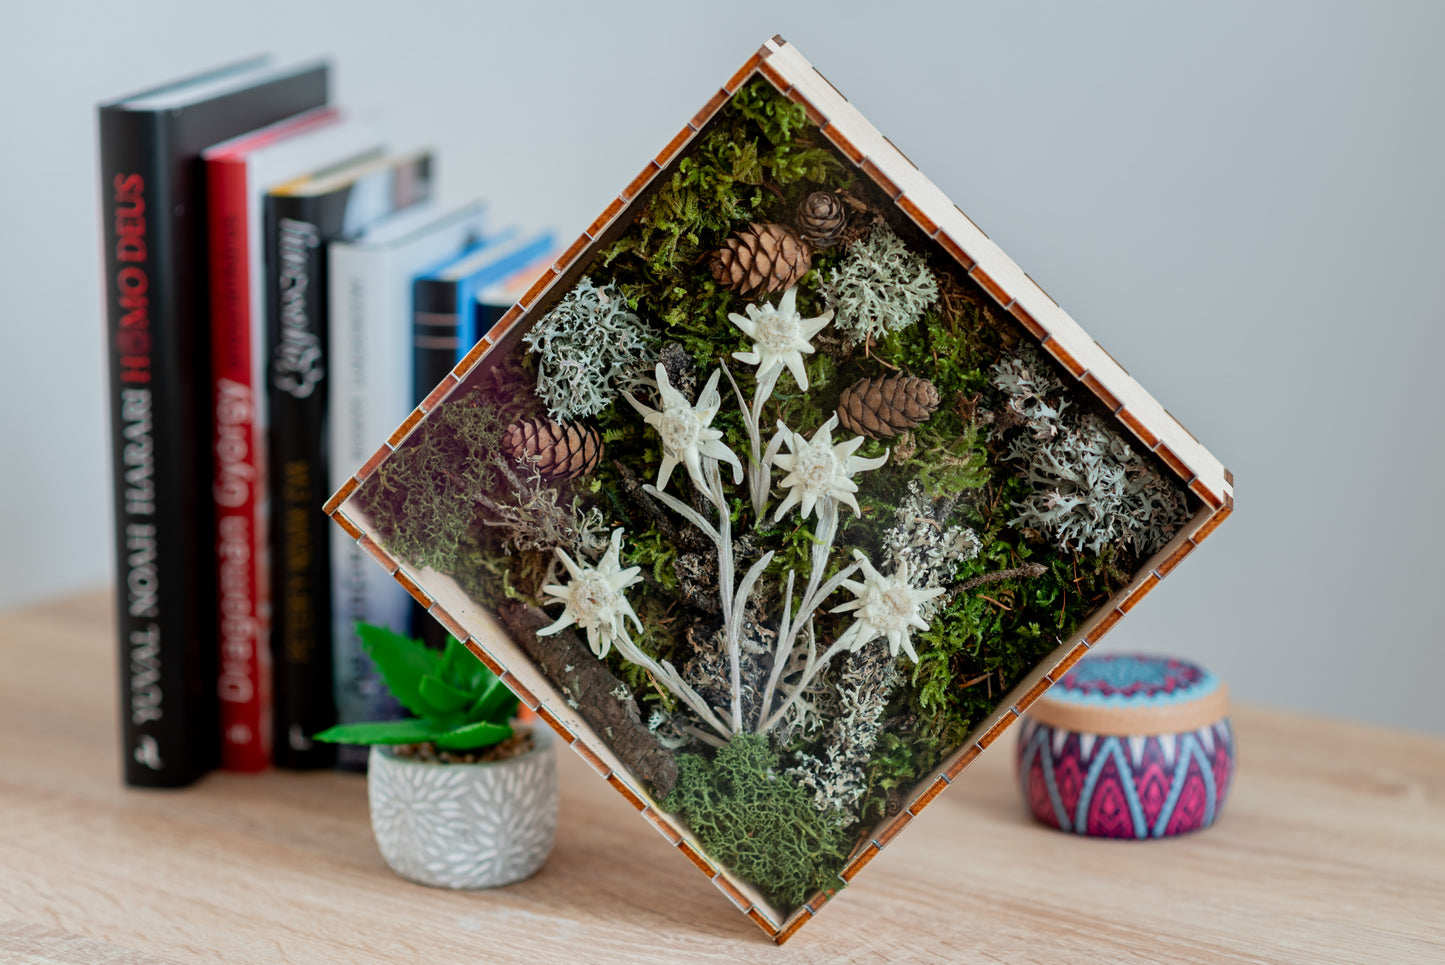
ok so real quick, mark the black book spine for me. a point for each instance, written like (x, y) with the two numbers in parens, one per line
(153, 230)
(489, 315)
(436, 333)
(436, 344)
(296, 314)
(153, 431)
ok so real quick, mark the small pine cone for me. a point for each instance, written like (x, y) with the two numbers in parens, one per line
(561, 450)
(883, 407)
(821, 219)
(762, 258)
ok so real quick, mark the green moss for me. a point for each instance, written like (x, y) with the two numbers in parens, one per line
(755, 162)
(653, 552)
(422, 499)
(758, 822)
(778, 118)
(953, 465)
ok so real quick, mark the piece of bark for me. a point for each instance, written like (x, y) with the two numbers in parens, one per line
(592, 690)
(686, 538)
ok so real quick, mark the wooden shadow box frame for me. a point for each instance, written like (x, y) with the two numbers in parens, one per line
(1015, 293)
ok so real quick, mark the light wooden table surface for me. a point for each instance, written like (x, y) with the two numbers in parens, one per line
(1331, 849)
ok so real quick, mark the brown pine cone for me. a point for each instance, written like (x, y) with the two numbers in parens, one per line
(883, 407)
(561, 450)
(761, 258)
(821, 219)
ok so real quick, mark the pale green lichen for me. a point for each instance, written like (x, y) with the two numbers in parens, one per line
(588, 348)
(837, 778)
(532, 515)
(1090, 489)
(880, 287)
(922, 540)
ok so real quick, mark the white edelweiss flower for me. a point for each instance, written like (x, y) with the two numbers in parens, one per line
(687, 435)
(780, 336)
(595, 601)
(818, 470)
(885, 606)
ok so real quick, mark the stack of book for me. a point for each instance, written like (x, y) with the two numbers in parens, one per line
(282, 289)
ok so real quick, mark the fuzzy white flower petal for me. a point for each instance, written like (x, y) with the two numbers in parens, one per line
(563, 622)
(819, 471)
(781, 336)
(884, 606)
(594, 600)
(685, 429)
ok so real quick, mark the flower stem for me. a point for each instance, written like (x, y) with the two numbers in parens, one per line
(812, 598)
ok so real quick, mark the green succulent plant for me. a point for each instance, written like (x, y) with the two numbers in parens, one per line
(459, 704)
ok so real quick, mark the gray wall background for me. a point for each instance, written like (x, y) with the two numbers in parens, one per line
(1242, 201)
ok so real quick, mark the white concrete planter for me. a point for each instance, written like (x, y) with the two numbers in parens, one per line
(465, 825)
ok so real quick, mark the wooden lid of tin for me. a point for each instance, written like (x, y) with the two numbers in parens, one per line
(1128, 694)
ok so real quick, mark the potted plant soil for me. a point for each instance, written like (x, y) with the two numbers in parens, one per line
(460, 798)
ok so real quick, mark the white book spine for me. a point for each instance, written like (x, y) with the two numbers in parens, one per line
(371, 393)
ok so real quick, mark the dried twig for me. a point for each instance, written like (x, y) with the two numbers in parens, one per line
(1027, 571)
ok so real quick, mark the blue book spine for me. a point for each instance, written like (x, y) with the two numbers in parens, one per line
(517, 258)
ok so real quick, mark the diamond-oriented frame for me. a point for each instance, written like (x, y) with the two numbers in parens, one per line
(876, 159)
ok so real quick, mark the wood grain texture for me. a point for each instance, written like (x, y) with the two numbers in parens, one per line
(1331, 849)
(26, 944)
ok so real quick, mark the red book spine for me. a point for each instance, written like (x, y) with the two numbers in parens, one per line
(243, 610)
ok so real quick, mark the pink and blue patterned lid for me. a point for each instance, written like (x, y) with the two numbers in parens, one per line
(1129, 680)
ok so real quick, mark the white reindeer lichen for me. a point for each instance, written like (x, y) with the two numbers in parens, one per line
(1090, 489)
(880, 287)
(837, 776)
(588, 347)
(922, 539)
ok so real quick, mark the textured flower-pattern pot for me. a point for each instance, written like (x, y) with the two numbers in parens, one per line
(465, 825)
(1128, 746)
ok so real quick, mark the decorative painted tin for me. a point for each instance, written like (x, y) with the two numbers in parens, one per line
(465, 825)
(1128, 746)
